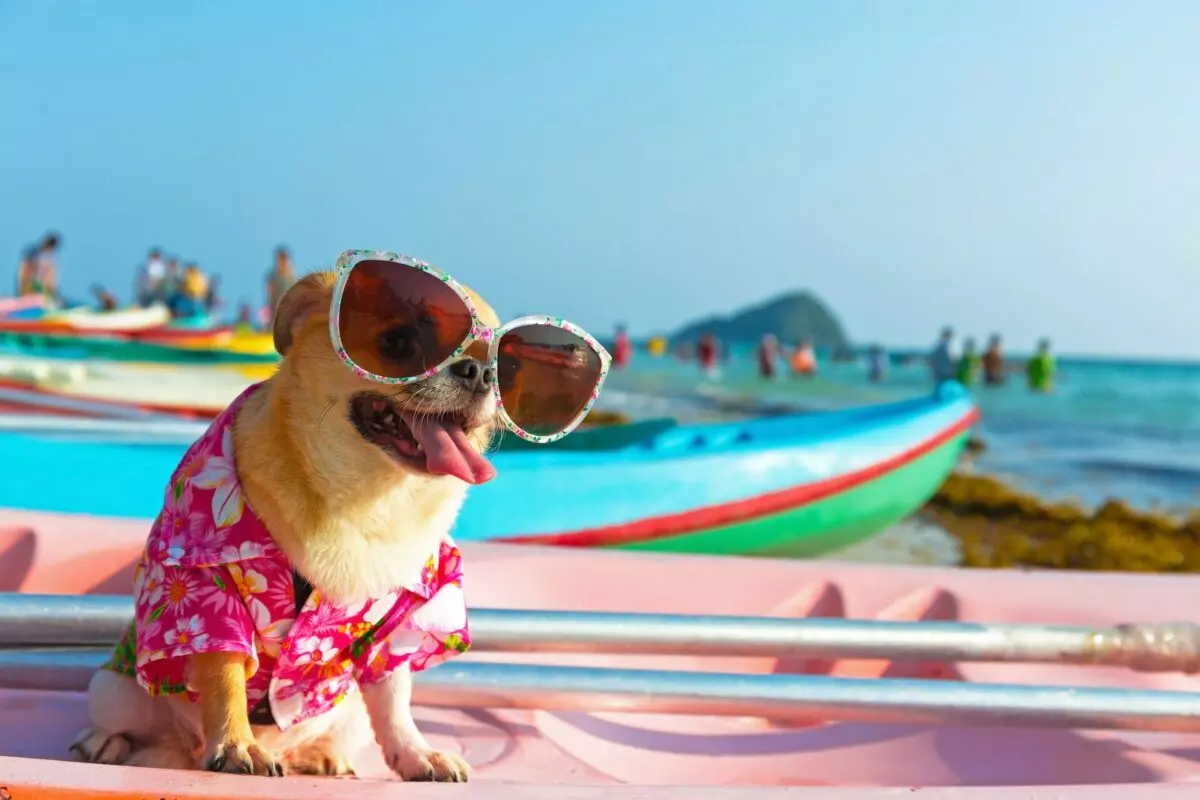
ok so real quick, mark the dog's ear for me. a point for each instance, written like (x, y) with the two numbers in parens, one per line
(309, 295)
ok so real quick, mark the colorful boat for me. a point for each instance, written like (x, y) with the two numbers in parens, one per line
(627, 749)
(796, 485)
(157, 345)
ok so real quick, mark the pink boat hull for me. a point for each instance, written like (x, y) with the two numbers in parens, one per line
(537, 754)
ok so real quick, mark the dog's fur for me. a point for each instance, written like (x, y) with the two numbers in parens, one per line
(352, 520)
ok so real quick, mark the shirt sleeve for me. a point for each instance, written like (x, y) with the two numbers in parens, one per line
(432, 631)
(181, 611)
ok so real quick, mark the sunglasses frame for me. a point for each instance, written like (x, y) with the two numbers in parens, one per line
(479, 332)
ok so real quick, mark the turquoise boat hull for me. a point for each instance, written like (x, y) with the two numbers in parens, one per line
(796, 485)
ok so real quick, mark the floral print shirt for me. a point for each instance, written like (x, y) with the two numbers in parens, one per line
(211, 579)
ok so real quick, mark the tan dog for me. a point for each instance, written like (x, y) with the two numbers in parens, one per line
(342, 482)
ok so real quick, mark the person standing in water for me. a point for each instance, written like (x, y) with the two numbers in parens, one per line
(877, 364)
(804, 360)
(994, 368)
(943, 365)
(279, 280)
(708, 352)
(968, 364)
(1039, 371)
(768, 354)
(622, 349)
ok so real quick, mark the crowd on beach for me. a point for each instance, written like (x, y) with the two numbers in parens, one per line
(181, 286)
(990, 368)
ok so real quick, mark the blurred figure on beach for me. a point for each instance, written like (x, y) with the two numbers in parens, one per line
(171, 281)
(245, 319)
(969, 364)
(190, 293)
(943, 363)
(47, 265)
(148, 287)
(1039, 371)
(707, 352)
(804, 360)
(212, 298)
(768, 354)
(27, 274)
(994, 368)
(105, 300)
(279, 280)
(877, 364)
(622, 349)
(656, 346)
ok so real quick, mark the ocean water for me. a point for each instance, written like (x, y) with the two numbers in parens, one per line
(1119, 429)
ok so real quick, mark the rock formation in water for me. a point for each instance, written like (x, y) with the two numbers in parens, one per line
(791, 317)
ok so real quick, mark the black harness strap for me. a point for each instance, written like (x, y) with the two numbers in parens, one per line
(261, 714)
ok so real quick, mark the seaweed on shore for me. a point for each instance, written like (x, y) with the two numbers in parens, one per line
(597, 419)
(1001, 527)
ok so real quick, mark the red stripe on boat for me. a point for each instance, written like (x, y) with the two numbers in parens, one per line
(645, 530)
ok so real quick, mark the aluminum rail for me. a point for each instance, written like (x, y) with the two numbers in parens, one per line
(81, 620)
(787, 698)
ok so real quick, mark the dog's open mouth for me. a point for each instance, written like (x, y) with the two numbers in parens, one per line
(433, 443)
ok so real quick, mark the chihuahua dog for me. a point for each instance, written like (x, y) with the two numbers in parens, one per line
(301, 570)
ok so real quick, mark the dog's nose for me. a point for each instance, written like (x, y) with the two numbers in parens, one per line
(473, 375)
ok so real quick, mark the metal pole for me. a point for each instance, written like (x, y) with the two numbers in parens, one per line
(39, 620)
(795, 698)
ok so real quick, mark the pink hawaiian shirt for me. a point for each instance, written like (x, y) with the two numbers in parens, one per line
(211, 579)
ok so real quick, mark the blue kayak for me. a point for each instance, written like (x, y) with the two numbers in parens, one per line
(800, 484)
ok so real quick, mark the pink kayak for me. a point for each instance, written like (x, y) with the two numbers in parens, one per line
(538, 753)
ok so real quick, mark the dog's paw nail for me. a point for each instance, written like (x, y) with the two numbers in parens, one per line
(429, 765)
(243, 759)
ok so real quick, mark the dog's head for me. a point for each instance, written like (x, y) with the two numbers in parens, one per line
(433, 430)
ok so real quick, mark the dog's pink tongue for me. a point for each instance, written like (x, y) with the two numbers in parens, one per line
(447, 450)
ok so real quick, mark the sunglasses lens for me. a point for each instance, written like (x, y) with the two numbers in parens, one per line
(547, 376)
(398, 321)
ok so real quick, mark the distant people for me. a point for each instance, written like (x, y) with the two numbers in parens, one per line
(105, 300)
(27, 273)
(707, 351)
(192, 293)
(768, 355)
(212, 299)
(994, 368)
(877, 364)
(148, 288)
(172, 282)
(969, 364)
(804, 360)
(47, 264)
(622, 349)
(943, 365)
(245, 319)
(279, 279)
(1039, 371)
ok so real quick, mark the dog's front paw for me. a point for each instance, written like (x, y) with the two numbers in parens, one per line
(96, 746)
(242, 758)
(413, 764)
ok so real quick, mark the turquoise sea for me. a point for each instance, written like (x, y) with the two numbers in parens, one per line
(1122, 429)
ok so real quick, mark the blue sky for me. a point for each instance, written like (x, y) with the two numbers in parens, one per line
(1024, 166)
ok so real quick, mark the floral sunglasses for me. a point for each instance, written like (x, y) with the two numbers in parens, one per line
(397, 320)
